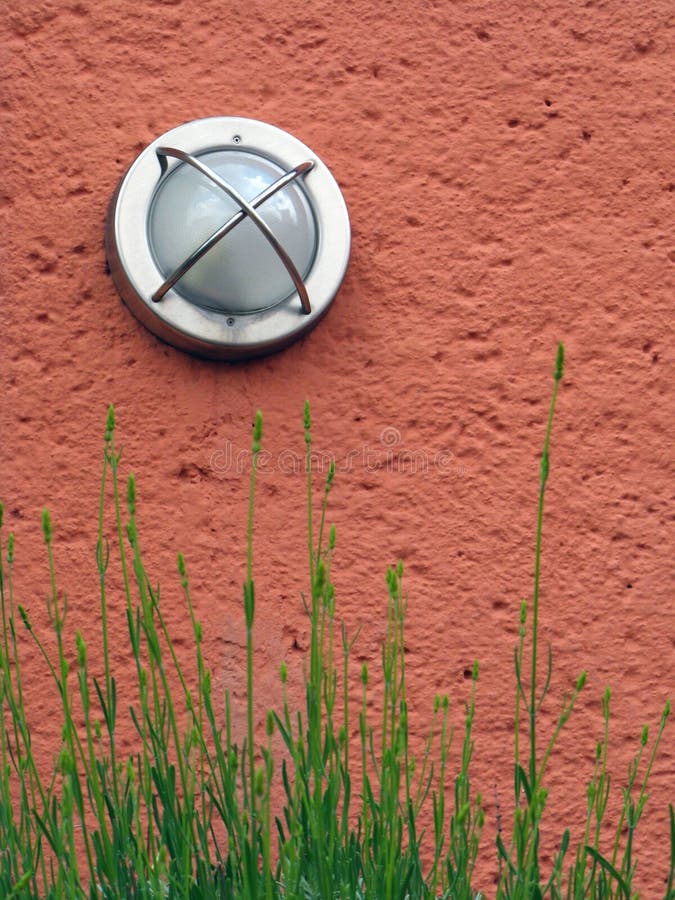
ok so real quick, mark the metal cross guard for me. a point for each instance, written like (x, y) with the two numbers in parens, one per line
(246, 209)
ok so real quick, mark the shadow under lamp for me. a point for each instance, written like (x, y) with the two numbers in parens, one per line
(228, 238)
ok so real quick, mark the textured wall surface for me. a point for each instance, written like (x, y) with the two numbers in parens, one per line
(508, 169)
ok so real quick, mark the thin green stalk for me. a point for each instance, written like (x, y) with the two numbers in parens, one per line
(520, 694)
(317, 572)
(308, 467)
(102, 561)
(58, 615)
(267, 812)
(557, 377)
(197, 631)
(249, 608)
(133, 624)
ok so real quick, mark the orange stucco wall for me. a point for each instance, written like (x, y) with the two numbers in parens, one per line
(508, 169)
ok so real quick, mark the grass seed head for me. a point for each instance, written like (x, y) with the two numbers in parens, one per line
(131, 494)
(46, 526)
(257, 432)
(559, 363)
(24, 618)
(81, 650)
(110, 424)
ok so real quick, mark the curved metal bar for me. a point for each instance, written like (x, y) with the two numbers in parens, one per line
(218, 235)
(248, 210)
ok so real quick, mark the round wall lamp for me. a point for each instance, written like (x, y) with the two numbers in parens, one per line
(228, 238)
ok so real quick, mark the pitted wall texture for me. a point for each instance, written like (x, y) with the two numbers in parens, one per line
(509, 171)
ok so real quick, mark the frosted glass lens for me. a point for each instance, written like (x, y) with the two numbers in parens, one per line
(242, 273)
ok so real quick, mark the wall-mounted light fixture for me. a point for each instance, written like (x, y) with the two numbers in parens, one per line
(228, 238)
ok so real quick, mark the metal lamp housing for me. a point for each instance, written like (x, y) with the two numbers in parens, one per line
(254, 259)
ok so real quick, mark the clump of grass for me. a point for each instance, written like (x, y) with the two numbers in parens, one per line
(592, 875)
(192, 811)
